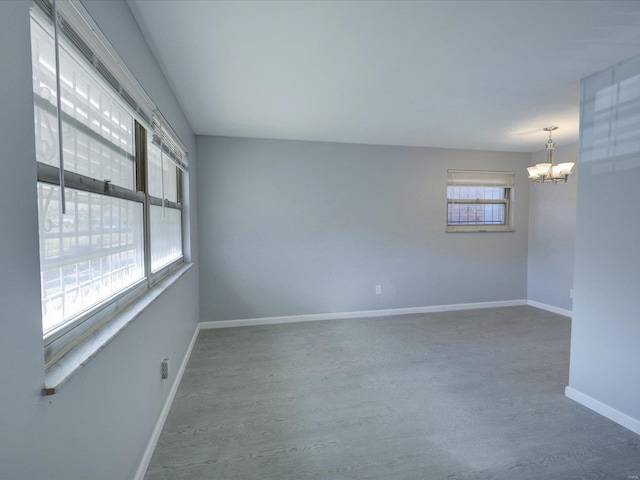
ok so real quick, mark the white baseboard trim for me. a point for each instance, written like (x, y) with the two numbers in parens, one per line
(603, 409)
(157, 429)
(358, 314)
(550, 308)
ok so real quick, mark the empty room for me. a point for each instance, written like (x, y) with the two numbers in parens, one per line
(320, 239)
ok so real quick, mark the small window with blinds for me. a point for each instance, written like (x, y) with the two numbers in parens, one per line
(479, 201)
(110, 175)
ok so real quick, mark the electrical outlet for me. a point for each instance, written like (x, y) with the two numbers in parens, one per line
(378, 289)
(571, 293)
(164, 369)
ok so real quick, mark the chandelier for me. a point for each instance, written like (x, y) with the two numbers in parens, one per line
(548, 172)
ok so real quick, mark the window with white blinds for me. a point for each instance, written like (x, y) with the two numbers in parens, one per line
(479, 201)
(110, 175)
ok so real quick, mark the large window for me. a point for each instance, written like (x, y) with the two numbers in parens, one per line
(110, 175)
(479, 201)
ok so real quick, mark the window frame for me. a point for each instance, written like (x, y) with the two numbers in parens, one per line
(481, 179)
(154, 200)
(61, 339)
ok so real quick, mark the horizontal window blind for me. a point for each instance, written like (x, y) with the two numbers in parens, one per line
(167, 141)
(80, 31)
(480, 178)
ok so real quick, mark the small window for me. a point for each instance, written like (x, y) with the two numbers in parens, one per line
(479, 201)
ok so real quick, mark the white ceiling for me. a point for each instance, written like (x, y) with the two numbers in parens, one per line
(473, 74)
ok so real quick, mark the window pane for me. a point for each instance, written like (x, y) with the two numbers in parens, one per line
(97, 129)
(88, 255)
(476, 214)
(154, 169)
(160, 168)
(44, 88)
(170, 180)
(480, 193)
(166, 236)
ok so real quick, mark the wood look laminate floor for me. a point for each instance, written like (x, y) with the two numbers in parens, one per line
(476, 394)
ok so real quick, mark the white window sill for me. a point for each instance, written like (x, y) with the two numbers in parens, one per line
(64, 368)
(477, 230)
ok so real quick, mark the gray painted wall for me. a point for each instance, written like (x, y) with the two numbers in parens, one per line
(98, 425)
(552, 224)
(291, 227)
(605, 357)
